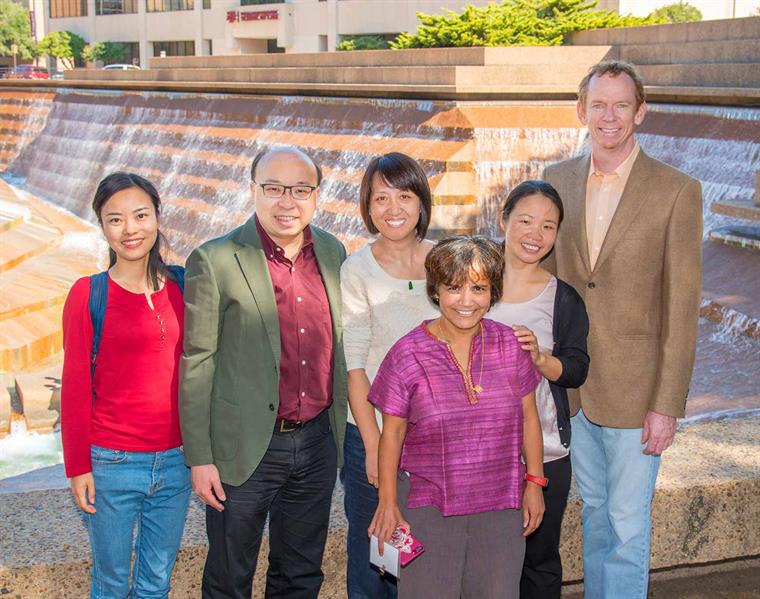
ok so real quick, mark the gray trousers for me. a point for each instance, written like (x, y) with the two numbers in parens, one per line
(468, 557)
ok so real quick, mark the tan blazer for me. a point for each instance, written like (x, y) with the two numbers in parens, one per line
(643, 294)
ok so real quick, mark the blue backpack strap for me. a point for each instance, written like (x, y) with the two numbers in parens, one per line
(178, 272)
(97, 304)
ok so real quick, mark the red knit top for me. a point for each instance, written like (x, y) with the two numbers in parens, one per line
(135, 402)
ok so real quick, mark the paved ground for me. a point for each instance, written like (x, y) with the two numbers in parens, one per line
(731, 580)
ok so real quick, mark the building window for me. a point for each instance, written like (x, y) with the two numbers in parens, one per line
(131, 52)
(168, 5)
(252, 2)
(115, 7)
(174, 48)
(68, 8)
(206, 4)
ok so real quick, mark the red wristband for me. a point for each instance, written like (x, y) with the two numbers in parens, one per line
(539, 480)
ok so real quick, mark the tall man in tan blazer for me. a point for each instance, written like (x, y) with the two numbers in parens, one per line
(631, 245)
(263, 384)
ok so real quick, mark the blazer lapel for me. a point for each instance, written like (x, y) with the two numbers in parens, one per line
(328, 261)
(575, 206)
(253, 266)
(630, 204)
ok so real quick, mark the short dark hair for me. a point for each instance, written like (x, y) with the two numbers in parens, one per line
(402, 172)
(529, 188)
(453, 259)
(613, 68)
(113, 184)
(291, 149)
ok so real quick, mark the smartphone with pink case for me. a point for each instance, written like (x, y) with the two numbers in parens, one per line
(397, 553)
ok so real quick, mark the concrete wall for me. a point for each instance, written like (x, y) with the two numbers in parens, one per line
(727, 29)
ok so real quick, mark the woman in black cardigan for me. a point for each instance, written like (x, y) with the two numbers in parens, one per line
(550, 320)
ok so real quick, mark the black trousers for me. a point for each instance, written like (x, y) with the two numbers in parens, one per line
(293, 484)
(542, 568)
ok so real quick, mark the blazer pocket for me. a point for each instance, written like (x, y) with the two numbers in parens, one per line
(225, 429)
(635, 336)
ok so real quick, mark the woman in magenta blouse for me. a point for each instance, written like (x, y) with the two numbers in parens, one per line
(459, 412)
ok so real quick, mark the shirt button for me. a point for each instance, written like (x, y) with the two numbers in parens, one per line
(560, 428)
(303, 393)
(301, 330)
(271, 407)
(299, 298)
(303, 362)
(591, 285)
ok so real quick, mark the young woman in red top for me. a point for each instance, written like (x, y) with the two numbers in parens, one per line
(120, 426)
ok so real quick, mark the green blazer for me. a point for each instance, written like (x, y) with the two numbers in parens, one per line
(229, 370)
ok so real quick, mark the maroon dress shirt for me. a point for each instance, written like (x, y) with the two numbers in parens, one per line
(306, 339)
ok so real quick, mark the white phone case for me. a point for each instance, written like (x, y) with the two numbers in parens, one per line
(388, 562)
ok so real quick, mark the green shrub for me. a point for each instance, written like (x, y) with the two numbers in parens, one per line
(108, 52)
(63, 45)
(680, 12)
(514, 23)
(362, 42)
(15, 29)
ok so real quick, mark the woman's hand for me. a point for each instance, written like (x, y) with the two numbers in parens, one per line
(387, 518)
(83, 489)
(533, 507)
(529, 343)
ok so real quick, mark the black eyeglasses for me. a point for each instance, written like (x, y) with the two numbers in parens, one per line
(297, 192)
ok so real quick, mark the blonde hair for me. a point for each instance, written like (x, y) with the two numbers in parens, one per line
(613, 68)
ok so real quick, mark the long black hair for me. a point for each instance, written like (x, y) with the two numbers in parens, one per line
(113, 184)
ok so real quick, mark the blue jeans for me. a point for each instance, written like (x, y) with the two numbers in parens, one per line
(150, 490)
(363, 580)
(616, 482)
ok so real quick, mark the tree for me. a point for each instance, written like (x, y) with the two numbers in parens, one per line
(514, 23)
(680, 12)
(108, 52)
(15, 29)
(63, 45)
(362, 42)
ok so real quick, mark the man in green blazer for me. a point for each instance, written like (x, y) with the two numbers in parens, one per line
(631, 245)
(263, 384)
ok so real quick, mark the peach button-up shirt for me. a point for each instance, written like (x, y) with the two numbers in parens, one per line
(603, 193)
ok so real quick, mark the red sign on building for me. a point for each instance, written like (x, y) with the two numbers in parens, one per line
(235, 16)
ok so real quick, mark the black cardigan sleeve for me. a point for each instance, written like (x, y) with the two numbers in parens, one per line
(571, 330)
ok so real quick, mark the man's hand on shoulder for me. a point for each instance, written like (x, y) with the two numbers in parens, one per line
(208, 486)
(658, 432)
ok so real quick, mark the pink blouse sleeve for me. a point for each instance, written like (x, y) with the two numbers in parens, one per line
(389, 393)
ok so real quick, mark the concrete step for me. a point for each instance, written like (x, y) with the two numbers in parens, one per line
(717, 75)
(24, 241)
(708, 52)
(517, 74)
(40, 283)
(743, 209)
(720, 29)
(738, 235)
(30, 338)
(397, 58)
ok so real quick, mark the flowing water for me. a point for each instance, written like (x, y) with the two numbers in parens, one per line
(198, 149)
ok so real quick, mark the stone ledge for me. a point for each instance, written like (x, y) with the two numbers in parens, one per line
(707, 493)
(713, 96)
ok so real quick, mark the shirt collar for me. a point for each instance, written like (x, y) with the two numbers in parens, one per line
(624, 168)
(272, 250)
